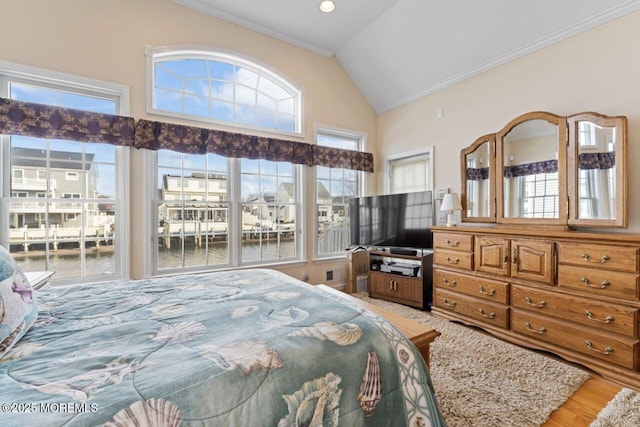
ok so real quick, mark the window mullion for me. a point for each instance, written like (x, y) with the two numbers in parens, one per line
(235, 212)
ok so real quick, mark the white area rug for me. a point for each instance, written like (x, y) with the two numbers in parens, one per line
(483, 381)
(622, 411)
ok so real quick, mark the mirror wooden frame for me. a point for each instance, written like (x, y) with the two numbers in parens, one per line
(621, 180)
(491, 140)
(561, 124)
(568, 172)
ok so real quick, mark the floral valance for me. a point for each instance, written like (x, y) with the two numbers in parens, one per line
(477, 174)
(545, 166)
(597, 160)
(46, 121)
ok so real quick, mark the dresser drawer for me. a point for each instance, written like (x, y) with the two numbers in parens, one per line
(479, 287)
(599, 281)
(481, 310)
(453, 259)
(599, 256)
(453, 241)
(614, 349)
(615, 318)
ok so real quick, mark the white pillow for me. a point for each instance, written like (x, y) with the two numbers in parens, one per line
(18, 307)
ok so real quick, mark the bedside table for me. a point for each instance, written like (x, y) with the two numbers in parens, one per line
(39, 279)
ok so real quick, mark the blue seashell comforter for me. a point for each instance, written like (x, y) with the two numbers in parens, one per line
(237, 348)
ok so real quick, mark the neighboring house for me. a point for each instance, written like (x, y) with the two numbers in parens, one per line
(286, 210)
(197, 188)
(65, 181)
(325, 208)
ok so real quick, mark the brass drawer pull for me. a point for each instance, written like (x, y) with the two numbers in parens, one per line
(491, 315)
(602, 285)
(607, 319)
(491, 293)
(540, 331)
(606, 351)
(450, 283)
(538, 305)
(450, 243)
(602, 260)
(450, 304)
(453, 261)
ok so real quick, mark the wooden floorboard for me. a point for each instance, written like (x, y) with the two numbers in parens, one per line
(585, 404)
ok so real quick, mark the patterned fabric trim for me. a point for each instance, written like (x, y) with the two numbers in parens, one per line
(597, 160)
(477, 174)
(545, 166)
(46, 121)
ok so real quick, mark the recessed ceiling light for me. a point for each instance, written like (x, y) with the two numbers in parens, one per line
(327, 6)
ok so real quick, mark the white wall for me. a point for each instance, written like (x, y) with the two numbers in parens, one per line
(598, 70)
(105, 40)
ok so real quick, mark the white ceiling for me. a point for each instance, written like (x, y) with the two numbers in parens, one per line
(399, 50)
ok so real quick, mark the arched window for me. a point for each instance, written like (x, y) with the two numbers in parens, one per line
(221, 87)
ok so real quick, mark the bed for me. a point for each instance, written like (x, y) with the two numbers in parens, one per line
(248, 347)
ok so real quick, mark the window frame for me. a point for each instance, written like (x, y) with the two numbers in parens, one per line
(409, 156)
(221, 55)
(120, 94)
(362, 183)
(234, 220)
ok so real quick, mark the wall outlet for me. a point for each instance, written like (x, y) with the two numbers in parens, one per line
(329, 275)
(305, 276)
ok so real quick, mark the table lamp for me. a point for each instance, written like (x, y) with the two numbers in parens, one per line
(450, 203)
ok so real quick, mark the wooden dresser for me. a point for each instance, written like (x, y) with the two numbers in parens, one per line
(575, 294)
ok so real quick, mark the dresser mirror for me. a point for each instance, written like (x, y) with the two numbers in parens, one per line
(545, 169)
(478, 169)
(597, 184)
(530, 168)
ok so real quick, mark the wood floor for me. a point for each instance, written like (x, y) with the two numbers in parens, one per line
(585, 404)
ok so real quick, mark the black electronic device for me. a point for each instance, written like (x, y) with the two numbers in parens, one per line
(394, 220)
(403, 251)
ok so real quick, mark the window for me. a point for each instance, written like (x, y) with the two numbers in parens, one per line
(221, 87)
(45, 230)
(334, 188)
(213, 211)
(540, 195)
(410, 172)
(195, 229)
(269, 207)
(192, 210)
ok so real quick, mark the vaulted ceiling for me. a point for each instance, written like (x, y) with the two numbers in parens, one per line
(399, 50)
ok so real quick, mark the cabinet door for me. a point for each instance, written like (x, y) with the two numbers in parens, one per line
(492, 255)
(533, 260)
(380, 283)
(409, 289)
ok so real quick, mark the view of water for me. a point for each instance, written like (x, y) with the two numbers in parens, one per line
(66, 262)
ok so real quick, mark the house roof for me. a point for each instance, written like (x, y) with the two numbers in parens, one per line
(36, 158)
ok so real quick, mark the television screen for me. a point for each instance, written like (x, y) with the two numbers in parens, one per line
(395, 220)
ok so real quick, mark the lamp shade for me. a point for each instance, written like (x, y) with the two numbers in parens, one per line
(451, 202)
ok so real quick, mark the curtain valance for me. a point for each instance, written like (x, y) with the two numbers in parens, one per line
(477, 174)
(597, 160)
(46, 121)
(545, 166)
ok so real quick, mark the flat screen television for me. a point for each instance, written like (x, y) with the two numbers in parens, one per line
(394, 220)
